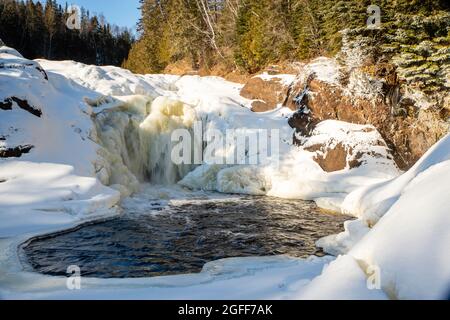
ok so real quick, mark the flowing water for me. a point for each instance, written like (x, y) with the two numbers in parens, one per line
(181, 237)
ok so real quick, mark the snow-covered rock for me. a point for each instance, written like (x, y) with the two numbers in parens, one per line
(267, 91)
(411, 230)
(372, 202)
(409, 244)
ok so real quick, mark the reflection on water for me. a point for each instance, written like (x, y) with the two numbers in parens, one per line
(183, 237)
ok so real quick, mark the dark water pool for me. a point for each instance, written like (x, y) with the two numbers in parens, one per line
(182, 238)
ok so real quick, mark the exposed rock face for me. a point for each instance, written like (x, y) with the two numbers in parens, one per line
(7, 104)
(409, 121)
(334, 159)
(261, 106)
(15, 152)
(338, 145)
(407, 129)
(267, 91)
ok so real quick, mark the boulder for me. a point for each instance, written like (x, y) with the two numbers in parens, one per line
(7, 104)
(267, 91)
(15, 152)
(338, 145)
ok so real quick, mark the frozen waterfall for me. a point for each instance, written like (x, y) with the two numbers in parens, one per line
(136, 142)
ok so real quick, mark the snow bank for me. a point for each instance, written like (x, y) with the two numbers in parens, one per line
(374, 201)
(411, 242)
(55, 180)
(37, 195)
(342, 279)
(110, 81)
(411, 236)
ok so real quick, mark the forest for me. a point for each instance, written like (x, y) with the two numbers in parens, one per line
(39, 30)
(250, 34)
(244, 35)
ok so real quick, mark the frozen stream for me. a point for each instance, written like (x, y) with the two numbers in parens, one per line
(154, 238)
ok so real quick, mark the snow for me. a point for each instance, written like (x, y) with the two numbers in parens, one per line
(109, 81)
(411, 229)
(284, 79)
(374, 201)
(343, 279)
(298, 176)
(95, 144)
(410, 244)
(52, 177)
(324, 69)
(271, 278)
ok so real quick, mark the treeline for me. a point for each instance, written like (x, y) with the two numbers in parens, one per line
(250, 34)
(39, 30)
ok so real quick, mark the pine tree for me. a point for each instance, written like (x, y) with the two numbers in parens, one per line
(41, 32)
(261, 34)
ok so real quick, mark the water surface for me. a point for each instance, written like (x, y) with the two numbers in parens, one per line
(182, 237)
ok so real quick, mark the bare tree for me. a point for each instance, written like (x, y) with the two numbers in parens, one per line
(203, 6)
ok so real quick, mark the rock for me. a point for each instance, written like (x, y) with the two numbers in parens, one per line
(15, 152)
(268, 91)
(338, 145)
(21, 103)
(408, 130)
(303, 122)
(260, 106)
(6, 104)
(334, 159)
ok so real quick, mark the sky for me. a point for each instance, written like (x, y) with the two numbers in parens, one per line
(124, 13)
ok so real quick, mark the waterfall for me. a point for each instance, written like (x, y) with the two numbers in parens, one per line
(166, 116)
(135, 140)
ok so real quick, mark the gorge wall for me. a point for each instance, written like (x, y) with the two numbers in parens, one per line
(409, 120)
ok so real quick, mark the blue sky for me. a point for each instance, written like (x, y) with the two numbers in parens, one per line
(124, 13)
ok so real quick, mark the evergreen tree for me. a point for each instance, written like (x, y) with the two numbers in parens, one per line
(40, 31)
(261, 34)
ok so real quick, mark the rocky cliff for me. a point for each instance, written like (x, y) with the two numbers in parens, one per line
(409, 120)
